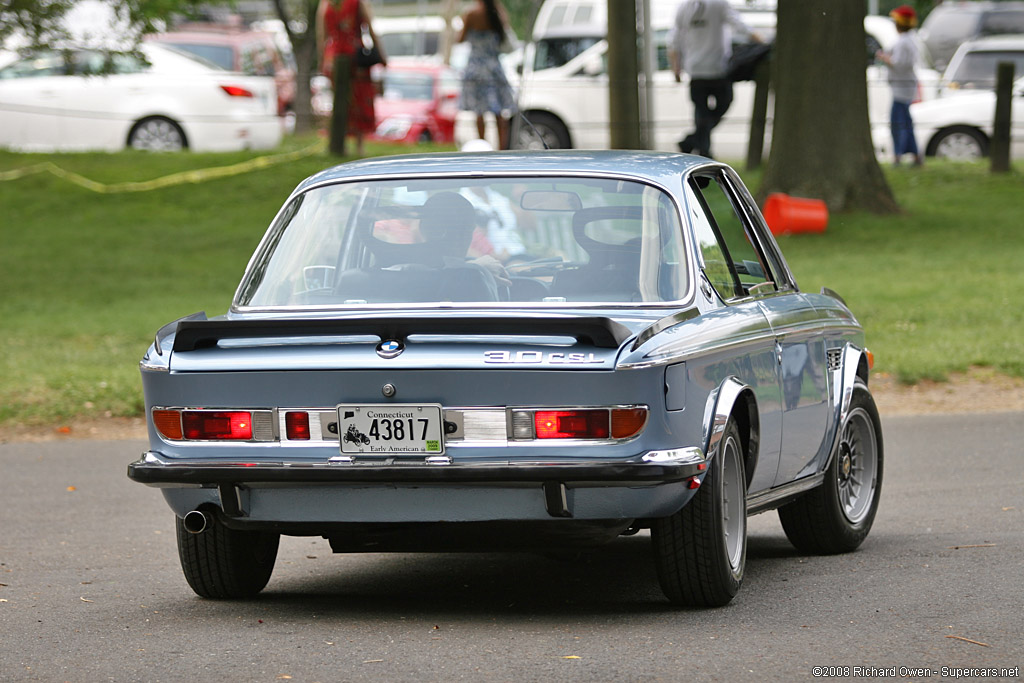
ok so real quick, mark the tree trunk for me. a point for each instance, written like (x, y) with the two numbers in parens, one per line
(304, 50)
(305, 62)
(623, 96)
(821, 137)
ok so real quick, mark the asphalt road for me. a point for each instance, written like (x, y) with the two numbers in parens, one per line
(90, 588)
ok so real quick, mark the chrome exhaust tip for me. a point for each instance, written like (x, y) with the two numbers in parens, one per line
(196, 522)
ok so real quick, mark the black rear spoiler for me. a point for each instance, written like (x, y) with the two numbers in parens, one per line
(594, 331)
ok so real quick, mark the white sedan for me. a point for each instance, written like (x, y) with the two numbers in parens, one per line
(960, 128)
(92, 100)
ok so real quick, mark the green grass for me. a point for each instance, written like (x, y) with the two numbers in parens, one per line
(86, 278)
(938, 288)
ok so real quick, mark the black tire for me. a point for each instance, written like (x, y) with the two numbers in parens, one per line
(958, 143)
(837, 516)
(157, 134)
(700, 552)
(223, 563)
(544, 131)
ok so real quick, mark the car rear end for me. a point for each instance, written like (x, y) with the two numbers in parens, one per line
(218, 110)
(365, 378)
(300, 425)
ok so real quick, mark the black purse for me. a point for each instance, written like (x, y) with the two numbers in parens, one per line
(367, 57)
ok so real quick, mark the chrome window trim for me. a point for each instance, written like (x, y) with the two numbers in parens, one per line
(686, 300)
(753, 220)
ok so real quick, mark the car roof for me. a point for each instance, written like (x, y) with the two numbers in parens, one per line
(1001, 41)
(213, 36)
(658, 167)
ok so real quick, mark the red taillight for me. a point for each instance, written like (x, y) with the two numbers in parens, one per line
(571, 424)
(168, 423)
(204, 425)
(296, 426)
(236, 91)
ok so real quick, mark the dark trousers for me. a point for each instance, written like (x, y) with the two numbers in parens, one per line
(903, 141)
(711, 99)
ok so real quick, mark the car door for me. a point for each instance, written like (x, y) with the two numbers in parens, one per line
(91, 97)
(746, 340)
(761, 279)
(29, 101)
(799, 342)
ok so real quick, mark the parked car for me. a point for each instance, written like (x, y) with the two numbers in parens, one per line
(94, 100)
(416, 36)
(564, 89)
(960, 128)
(974, 64)
(418, 102)
(951, 23)
(424, 38)
(233, 48)
(532, 350)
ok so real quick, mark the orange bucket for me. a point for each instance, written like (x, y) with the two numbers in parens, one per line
(785, 214)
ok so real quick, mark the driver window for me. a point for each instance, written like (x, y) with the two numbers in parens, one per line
(731, 261)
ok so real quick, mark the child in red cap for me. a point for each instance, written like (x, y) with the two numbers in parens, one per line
(903, 81)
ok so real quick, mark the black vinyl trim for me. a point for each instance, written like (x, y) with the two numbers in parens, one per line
(595, 331)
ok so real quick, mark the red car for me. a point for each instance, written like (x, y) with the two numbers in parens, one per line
(237, 49)
(418, 102)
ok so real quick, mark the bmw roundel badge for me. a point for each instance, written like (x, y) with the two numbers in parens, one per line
(390, 348)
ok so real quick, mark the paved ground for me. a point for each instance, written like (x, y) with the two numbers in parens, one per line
(92, 591)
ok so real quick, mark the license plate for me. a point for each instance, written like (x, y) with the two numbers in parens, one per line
(391, 429)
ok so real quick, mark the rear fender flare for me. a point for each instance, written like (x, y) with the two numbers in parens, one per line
(732, 398)
(852, 359)
(844, 380)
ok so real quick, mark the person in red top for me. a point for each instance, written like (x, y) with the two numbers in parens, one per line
(339, 30)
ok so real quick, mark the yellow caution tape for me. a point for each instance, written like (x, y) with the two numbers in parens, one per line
(194, 176)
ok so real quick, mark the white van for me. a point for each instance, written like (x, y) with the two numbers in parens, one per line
(564, 87)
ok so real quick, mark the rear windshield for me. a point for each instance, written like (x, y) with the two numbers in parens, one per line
(221, 55)
(433, 241)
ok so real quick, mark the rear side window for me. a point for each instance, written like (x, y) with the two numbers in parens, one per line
(733, 262)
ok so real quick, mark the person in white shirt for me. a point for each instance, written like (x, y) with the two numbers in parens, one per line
(903, 81)
(700, 43)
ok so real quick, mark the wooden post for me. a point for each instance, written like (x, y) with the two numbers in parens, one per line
(623, 91)
(1000, 151)
(755, 146)
(342, 96)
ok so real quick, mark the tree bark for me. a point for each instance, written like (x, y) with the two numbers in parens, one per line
(623, 95)
(821, 136)
(304, 50)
